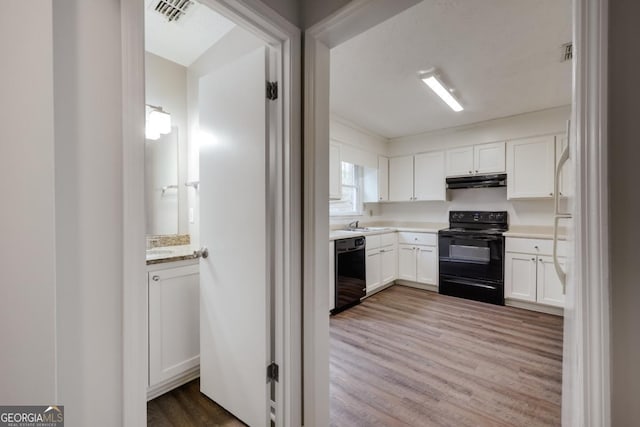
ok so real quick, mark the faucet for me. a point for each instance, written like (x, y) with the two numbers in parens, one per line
(353, 225)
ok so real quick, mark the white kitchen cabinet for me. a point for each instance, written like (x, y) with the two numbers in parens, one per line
(489, 158)
(373, 264)
(332, 275)
(335, 172)
(429, 180)
(401, 179)
(529, 271)
(566, 183)
(389, 261)
(418, 257)
(174, 322)
(407, 262)
(530, 168)
(426, 264)
(376, 182)
(381, 262)
(383, 178)
(520, 276)
(460, 161)
(476, 159)
(419, 177)
(549, 287)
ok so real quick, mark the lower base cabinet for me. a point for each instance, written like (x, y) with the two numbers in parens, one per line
(418, 261)
(530, 275)
(174, 322)
(381, 261)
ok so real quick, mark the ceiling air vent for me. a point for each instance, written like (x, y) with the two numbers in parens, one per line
(173, 10)
(567, 52)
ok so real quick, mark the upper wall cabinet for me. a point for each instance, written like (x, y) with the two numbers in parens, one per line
(419, 177)
(376, 182)
(401, 179)
(476, 159)
(530, 168)
(429, 182)
(335, 172)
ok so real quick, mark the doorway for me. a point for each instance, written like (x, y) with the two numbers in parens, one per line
(190, 56)
(331, 33)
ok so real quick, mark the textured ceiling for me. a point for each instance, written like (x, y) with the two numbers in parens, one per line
(502, 57)
(183, 41)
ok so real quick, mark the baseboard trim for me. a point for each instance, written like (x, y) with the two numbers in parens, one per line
(170, 384)
(378, 289)
(423, 286)
(535, 307)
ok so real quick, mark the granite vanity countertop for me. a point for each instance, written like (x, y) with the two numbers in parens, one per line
(162, 254)
(535, 232)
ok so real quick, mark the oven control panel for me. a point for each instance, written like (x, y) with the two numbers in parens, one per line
(480, 217)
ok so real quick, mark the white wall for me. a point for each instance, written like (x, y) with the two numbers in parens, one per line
(624, 175)
(27, 264)
(542, 122)
(89, 209)
(525, 212)
(234, 44)
(166, 87)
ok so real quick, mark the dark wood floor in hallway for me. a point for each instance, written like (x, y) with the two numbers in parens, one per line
(407, 357)
(185, 406)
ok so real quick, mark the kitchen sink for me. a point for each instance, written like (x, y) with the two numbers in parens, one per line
(362, 229)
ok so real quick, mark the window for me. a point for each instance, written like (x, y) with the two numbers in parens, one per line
(351, 200)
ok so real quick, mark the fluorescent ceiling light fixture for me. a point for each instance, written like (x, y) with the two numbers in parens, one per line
(158, 122)
(431, 80)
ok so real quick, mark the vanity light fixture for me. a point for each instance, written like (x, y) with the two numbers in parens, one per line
(431, 79)
(158, 122)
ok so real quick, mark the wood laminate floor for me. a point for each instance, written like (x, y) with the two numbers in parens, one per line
(407, 357)
(185, 406)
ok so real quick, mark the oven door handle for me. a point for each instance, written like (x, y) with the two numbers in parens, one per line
(471, 283)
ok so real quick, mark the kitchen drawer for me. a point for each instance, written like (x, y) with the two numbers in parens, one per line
(388, 239)
(534, 246)
(372, 242)
(430, 239)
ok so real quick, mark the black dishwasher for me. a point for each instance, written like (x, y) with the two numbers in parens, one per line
(350, 272)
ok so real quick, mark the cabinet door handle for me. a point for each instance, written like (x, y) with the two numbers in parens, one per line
(533, 259)
(155, 278)
(476, 171)
(551, 194)
(470, 172)
(536, 248)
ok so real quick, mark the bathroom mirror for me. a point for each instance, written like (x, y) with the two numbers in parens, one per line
(162, 189)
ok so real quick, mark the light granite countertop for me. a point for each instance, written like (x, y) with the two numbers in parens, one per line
(387, 227)
(535, 232)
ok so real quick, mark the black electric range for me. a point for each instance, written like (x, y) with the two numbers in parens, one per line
(471, 255)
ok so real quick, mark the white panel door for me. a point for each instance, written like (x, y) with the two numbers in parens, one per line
(429, 183)
(549, 286)
(520, 276)
(401, 179)
(489, 158)
(406, 262)
(174, 322)
(383, 178)
(427, 265)
(389, 261)
(234, 286)
(372, 268)
(335, 172)
(460, 161)
(530, 168)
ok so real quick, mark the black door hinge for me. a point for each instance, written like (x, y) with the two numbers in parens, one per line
(272, 91)
(272, 372)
